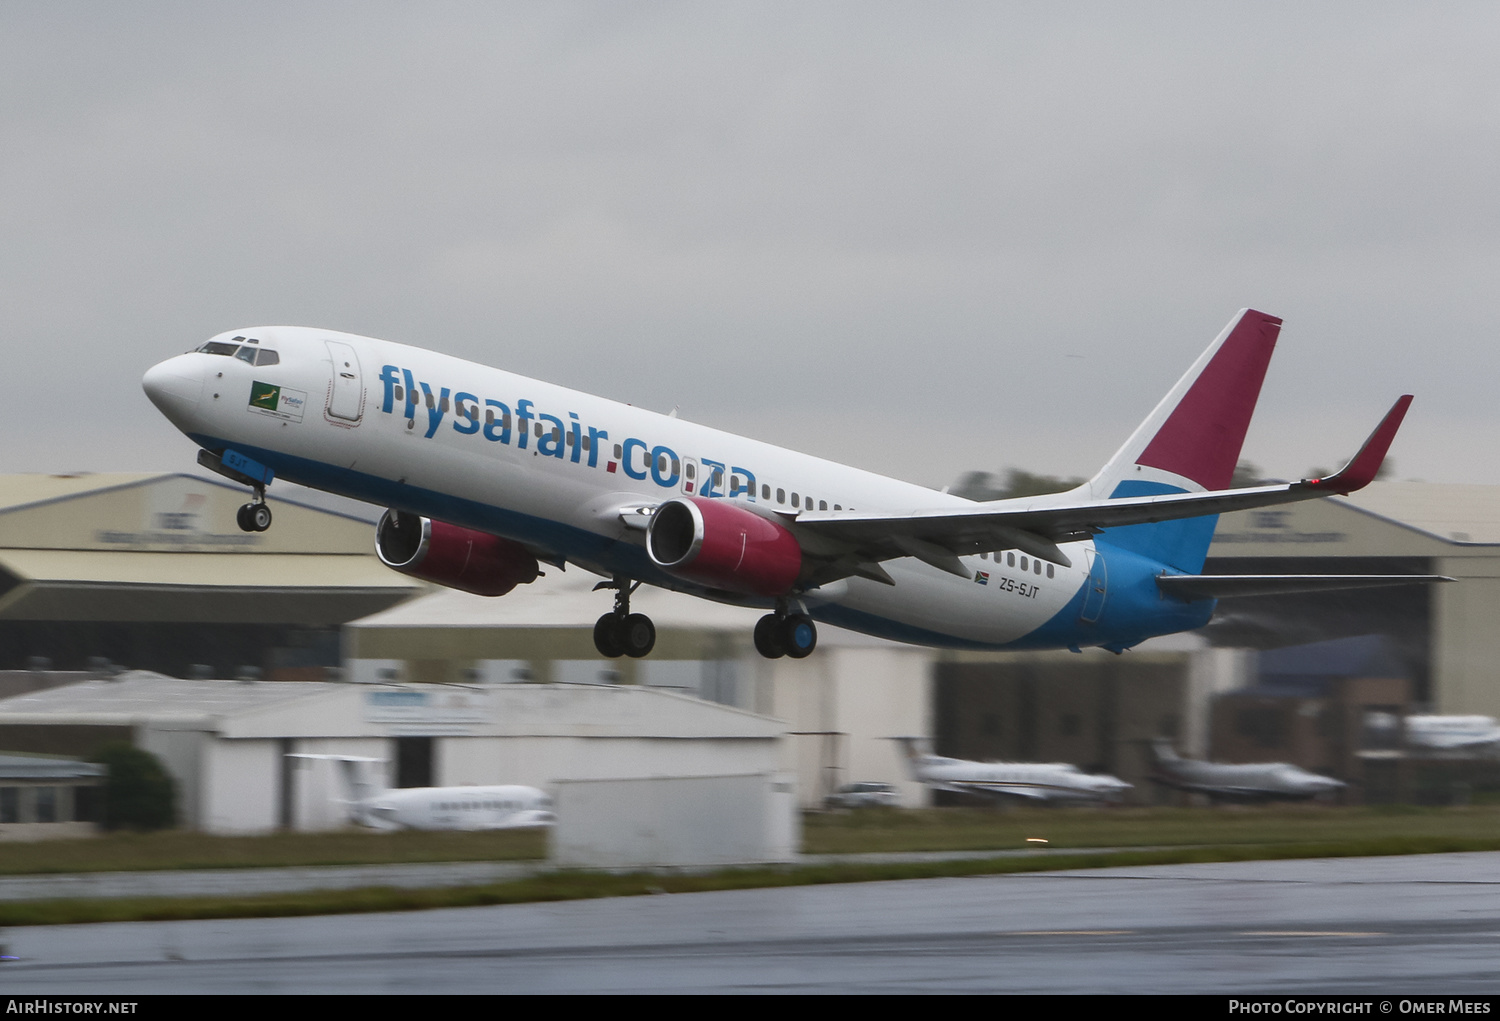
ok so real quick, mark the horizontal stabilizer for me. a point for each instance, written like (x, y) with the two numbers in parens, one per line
(1217, 586)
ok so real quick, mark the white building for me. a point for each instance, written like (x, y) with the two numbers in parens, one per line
(226, 743)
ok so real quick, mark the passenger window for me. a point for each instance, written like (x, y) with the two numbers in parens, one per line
(572, 440)
(1036, 567)
(822, 505)
(692, 471)
(443, 404)
(557, 434)
(1049, 570)
(619, 455)
(781, 496)
(794, 499)
(431, 404)
(588, 443)
(246, 354)
(400, 392)
(1010, 560)
(1024, 565)
(837, 507)
(765, 492)
(264, 357)
(718, 478)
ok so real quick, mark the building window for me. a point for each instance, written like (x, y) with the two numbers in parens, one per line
(10, 804)
(46, 804)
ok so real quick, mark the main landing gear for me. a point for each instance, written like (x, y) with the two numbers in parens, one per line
(254, 516)
(785, 634)
(623, 633)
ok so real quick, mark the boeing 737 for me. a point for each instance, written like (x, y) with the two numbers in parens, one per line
(1027, 781)
(372, 804)
(488, 475)
(1249, 781)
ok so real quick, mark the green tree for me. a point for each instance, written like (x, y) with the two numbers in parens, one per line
(139, 794)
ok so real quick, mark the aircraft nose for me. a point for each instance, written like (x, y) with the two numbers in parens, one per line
(174, 386)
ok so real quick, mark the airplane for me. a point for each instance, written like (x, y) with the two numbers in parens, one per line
(498, 807)
(1457, 734)
(488, 475)
(1253, 781)
(1029, 781)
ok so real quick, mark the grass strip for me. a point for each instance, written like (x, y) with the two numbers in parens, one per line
(565, 885)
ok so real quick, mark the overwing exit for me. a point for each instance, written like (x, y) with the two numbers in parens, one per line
(489, 477)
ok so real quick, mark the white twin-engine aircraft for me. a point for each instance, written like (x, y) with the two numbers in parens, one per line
(488, 474)
(371, 803)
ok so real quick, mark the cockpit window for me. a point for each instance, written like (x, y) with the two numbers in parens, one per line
(264, 357)
(247, 354)
(218, 347)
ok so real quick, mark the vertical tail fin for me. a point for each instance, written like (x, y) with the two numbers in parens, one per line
(916, 749)
(1191, 442)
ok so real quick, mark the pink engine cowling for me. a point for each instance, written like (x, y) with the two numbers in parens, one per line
(726, 547)
(450, 555)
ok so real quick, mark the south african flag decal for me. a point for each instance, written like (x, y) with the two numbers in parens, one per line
(982, 577)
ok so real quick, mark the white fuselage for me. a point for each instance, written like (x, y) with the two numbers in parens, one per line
(554, 468)
(1045, 781)
(455, 808)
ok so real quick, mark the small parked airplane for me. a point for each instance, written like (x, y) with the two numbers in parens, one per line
(488, 475)
(1473, 735)
(1251, 781)
(372, 804)
(1029, 781)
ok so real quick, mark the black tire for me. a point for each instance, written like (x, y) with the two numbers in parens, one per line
(799, 636)
(768, 637)
(242, 518)
(260, 517)
(607, 637)
(638, 635)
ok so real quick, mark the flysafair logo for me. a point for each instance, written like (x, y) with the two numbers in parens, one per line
(278, 401)
(570, 440)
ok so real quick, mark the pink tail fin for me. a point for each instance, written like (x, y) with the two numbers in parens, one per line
(1195, 434)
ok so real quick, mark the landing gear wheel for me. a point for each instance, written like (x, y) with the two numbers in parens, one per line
(242, 518)
(259, 517)
(638, 635)
(607, 638)
(768, 637)
(799, 635)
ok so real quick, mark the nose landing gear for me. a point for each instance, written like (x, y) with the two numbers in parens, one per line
(254, 516)
(623, 633)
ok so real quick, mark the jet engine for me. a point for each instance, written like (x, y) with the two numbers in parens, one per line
(723, 546)
(460, 558)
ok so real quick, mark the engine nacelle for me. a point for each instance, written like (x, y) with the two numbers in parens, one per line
(445, 554)
(723, 546)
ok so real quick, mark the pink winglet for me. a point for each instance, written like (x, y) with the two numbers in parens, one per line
(1201, 438)
(1360, 471)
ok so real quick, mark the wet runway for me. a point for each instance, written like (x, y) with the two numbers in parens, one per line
(1418, 924)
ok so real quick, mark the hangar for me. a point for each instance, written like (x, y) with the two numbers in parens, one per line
(151, 571)
(226, 743)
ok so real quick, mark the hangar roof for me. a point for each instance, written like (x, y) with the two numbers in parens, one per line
(296, 709)
(166, 547)
(1461, 513)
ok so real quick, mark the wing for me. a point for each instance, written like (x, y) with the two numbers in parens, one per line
(854, 543)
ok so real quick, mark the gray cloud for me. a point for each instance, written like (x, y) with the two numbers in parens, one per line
(918, 237)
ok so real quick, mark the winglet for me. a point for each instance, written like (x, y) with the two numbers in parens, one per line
(1361, 469)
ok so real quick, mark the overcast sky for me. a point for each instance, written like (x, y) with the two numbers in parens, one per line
(920, 238)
